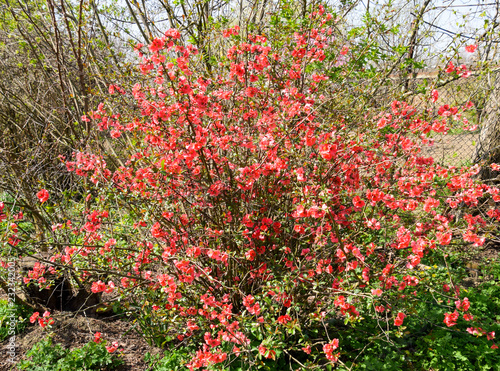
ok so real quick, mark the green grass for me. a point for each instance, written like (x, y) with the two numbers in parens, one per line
(13, 319)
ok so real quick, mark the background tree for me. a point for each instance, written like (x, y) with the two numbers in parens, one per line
(55, 63)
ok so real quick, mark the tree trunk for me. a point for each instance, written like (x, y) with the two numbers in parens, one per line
(488, 147)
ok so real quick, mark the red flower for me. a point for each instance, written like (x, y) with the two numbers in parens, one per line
(430, 203)
(33, 317)
(471, 48)
(110, 287)
(112, 348)
(173, 33)
(450, 319)
(284, 319)
(476, 331)
(115, 133)
(97, 337)
(328, 151)
(329, 348)
(450, 68)
(267, 353)
(250, 255)
(468, 317)
(434, 95)
(443, 238)
(98, 286)
(43, 195)
(446, 110)
(358, 202)
(156, 45)
(42, 321)
(463, 305)
(398, 321)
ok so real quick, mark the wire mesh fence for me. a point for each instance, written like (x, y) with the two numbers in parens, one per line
(459, 146)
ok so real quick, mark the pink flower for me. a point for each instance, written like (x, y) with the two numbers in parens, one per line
(97, 337)
(471, 48)
(476, 331)
(43, 195)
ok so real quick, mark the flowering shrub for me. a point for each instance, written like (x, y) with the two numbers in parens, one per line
(248, 216)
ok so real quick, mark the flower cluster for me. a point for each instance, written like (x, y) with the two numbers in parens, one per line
(44, 321)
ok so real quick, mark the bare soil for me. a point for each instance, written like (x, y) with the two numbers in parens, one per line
(74, 331)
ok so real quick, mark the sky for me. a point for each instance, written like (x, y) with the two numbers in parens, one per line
(446, 24)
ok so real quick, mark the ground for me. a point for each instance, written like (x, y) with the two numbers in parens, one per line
(453, 149)
(73, 331)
